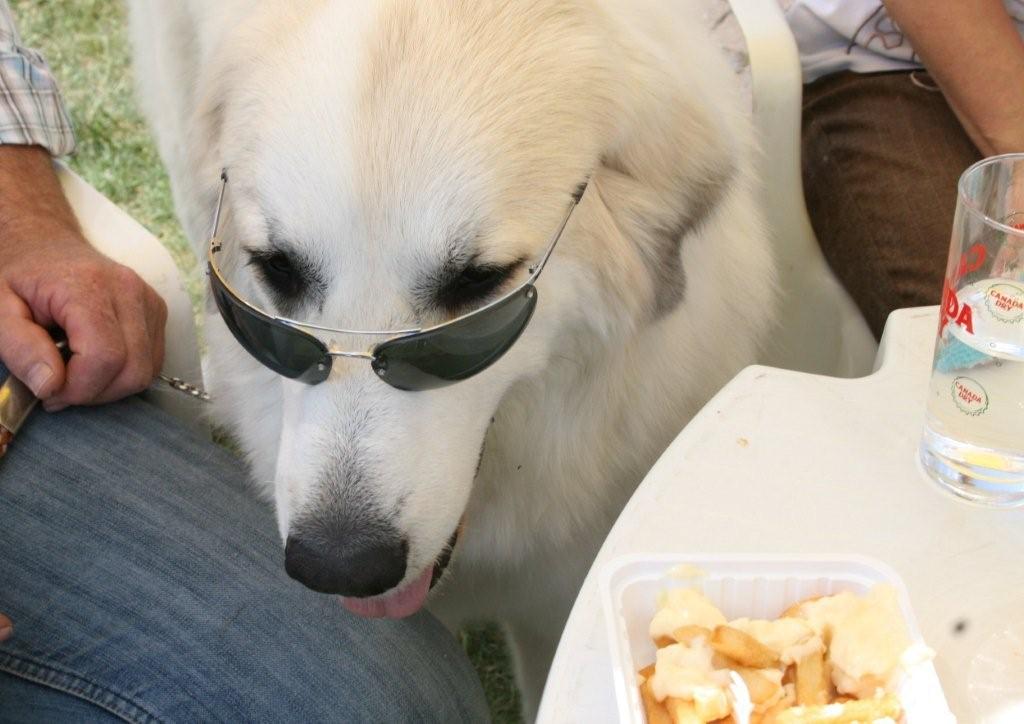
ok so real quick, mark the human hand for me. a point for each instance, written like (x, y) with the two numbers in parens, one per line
(50, 276)
(6, 627)
(113, 320)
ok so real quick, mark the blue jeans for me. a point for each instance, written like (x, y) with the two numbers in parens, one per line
(147, 583)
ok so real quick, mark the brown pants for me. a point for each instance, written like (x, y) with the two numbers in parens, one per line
(881, 160)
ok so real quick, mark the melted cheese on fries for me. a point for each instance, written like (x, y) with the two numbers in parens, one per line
(867, 638)
(861, 641)
(684, 607)
(791, 638)
(687, 672)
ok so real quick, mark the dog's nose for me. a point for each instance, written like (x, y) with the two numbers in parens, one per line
(354, 565)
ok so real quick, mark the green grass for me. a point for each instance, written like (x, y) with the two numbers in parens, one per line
(485, 645)
(86, 44)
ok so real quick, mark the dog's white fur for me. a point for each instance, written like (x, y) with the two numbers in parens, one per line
(378, 132)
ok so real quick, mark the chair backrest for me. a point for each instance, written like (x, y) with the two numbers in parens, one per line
(822, 331)
(123, 239)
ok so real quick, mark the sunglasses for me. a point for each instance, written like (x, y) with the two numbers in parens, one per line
(410, 359)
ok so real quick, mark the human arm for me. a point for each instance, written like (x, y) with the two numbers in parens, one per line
(31, 110)
(974, 52)
(49, 274)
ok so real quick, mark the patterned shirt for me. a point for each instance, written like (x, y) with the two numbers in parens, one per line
(857, 35)
(31, 109)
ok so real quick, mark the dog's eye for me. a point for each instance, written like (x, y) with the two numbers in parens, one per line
(475, 283)
(480, 280)
(279, 271)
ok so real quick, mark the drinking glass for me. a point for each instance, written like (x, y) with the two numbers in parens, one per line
(973, 443)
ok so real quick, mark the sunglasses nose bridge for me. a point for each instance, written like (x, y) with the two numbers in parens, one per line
(346, 362)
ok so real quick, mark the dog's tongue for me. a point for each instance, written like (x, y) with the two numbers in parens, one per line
(399, 603)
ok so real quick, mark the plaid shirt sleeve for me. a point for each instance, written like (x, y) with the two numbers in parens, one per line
(31, 109)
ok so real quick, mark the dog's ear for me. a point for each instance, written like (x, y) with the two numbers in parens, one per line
(670, 165)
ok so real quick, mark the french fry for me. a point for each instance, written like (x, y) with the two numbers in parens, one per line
(723, 662)
(655, 710)
(863, 710)
(798, 693)
(794, 610)
(742, 648)
(771, 715)
(811, 679)
(711, 704)
(687, 634)
(869, 687)
(789, 675)
(761, 687)
(682, 711)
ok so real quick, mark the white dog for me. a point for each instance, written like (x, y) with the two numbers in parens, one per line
(395, 163)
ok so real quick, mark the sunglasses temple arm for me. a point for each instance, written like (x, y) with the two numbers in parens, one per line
(539, 266)
(220, 202)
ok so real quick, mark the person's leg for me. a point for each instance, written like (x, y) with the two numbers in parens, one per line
(25, 702)
(145, 580)
(881, 159)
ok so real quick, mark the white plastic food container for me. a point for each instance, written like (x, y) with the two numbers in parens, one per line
(756, 586)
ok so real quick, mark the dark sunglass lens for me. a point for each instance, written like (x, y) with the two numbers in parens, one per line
(287, 351)
(436, 358)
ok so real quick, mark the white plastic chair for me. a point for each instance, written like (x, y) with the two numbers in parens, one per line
(120, 237)
(822, 331)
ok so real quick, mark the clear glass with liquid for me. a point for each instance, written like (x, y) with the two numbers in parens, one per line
(973, 443)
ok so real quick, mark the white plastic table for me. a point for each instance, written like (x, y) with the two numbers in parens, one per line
(784, 462)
